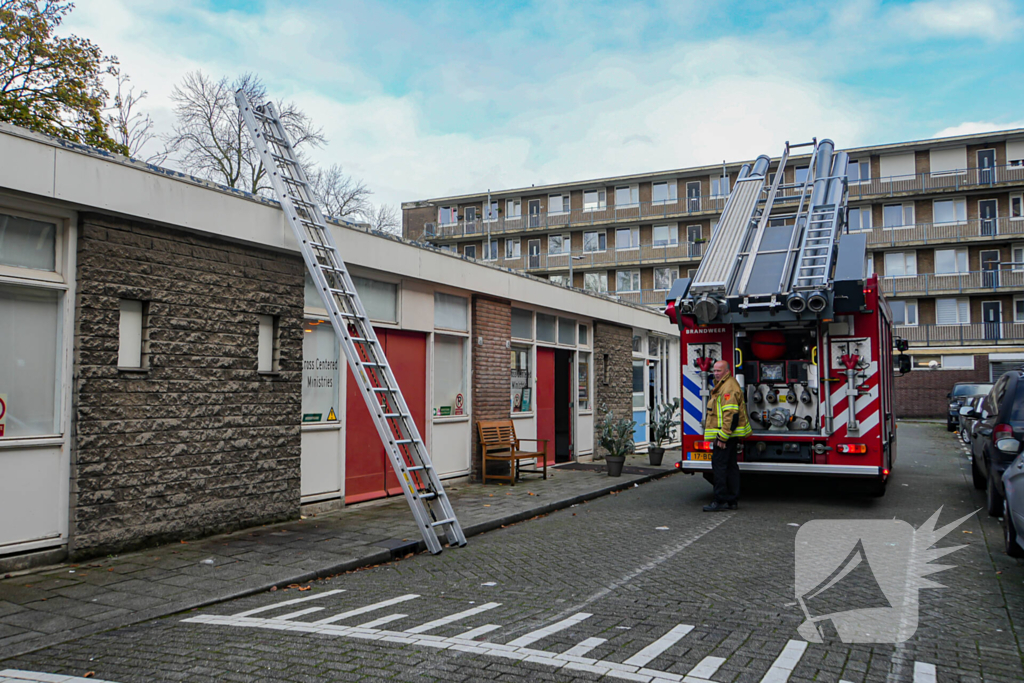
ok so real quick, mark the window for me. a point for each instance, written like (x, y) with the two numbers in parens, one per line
(904, 311)
(627, 281)
(491, 250)
(321, 378)
(1018, 309)
(594, 200)
(446, 215)
(450, 248)
(800, 175)
(957, 362)
(1015, 152)
(594, 241)
(952, 311)
(522, 379)
(583, 380)
(491, 212)
(380, 299)
(897, 215)
(858, 171)
(558, 203)
(949, 210)
(558, 244)
(869, 264)
(949, 261)
(926, 362)
(512, 249)
(584, 335)
(469, 214)
(449, 375)
(1016, 206)
(522, 323)
(131, 349)
(627, 196)
(451, 312)
(545, 328)
(1018, 257)
(513, 208)
(859, 218)
(30, 373)
(627, 238)
(664, 193)
(900, 263)
(664, 277)
(948, 161)
(268, 352)
(469, 250)
(559, 280)
(27, 243)
(567, 331)
(595, 282)
(665, 235)
(897, 166)
(720, 186)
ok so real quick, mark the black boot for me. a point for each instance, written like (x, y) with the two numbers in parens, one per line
(716, 507)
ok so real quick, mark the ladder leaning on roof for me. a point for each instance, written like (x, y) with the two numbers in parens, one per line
(402, 441)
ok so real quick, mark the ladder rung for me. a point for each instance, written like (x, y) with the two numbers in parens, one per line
(394, 415)
(428, 496)
(450, 520)
(405, 441)
(381, 389)
(417, 468)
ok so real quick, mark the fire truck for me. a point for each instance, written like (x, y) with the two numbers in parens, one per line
(783, 294)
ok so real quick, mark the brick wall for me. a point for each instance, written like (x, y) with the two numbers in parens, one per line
(613, 375)
(922, 393)
(414, 219)
(492, 376)
(200, 442)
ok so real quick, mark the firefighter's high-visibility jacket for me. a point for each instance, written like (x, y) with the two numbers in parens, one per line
(725, 404)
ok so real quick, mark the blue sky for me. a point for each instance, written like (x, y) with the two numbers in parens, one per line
(423, 99)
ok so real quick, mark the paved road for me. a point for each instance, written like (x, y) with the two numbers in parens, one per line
(600, 591)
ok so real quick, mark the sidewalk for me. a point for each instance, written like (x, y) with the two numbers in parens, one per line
(56, 604)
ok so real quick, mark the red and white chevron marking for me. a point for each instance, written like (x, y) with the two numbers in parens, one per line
(868, 407)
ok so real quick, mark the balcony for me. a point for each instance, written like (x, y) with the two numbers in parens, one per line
(975, 282)
(961, 335)
(643, 297)
(948, 181)
(609, 258)
(978, 230)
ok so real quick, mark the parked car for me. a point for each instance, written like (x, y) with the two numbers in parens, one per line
(957, 396)
(1000, 416)
(1013, 506)
(967, 423)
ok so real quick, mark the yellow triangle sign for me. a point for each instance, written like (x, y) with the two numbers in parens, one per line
(331, 416)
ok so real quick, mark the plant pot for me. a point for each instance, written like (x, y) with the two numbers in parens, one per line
(655, 453)
(615, 463)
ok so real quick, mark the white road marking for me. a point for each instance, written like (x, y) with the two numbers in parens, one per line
(20, 676)
(707, 667)
(534, 636)
(444, 621)
(584, 647)
(288, 602)
(473, 633)
(645, 655)
(290, 615)
(383, 620)
(368, 608)
(784, 664)
(924, 673)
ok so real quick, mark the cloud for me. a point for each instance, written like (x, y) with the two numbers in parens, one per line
(995, 20)
(971, 127)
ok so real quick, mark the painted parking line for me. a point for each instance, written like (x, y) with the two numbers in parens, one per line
(19, 676)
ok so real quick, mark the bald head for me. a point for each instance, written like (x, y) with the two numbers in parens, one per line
(720, 370)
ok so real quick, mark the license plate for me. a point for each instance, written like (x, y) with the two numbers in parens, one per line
(699, 455)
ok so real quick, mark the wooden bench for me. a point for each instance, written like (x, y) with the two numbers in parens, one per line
(498, 441)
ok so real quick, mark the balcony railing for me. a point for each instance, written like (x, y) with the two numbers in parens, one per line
(944, 233)
(948, 181)
(609, 258)
(959, 335)
(644, 297)
(954, 283)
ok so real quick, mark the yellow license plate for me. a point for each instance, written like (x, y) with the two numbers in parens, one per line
(700, 455)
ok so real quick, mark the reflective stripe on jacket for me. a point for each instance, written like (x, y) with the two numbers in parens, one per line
(725, 403)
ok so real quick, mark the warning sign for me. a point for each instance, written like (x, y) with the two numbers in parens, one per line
(331, 417)
(458, 404)
(3, 412)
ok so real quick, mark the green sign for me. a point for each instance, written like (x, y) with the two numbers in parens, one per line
(312, 417)
(446, 411)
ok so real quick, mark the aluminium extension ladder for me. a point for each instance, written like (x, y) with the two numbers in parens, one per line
(402, 441)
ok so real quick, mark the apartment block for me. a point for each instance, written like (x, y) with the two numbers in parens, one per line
(944, 220)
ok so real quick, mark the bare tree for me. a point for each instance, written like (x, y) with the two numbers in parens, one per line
(210, 138)
(340, 195)
(384, 219)
(129, 127)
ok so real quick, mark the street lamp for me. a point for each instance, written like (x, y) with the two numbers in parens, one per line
(571, 259)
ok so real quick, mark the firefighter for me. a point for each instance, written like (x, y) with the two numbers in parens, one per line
(724, 423)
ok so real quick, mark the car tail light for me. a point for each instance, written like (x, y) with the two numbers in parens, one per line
(703, 446)
(852, 448)
(1001, 432)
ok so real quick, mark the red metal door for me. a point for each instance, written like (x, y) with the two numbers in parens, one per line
(546, 400)
(365, 462)
(407, 354)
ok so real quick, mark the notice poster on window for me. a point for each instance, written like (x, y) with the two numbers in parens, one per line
(3, 412)
(320, 372)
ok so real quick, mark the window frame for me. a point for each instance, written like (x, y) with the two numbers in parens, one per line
(669, 198)
(600, 234)
(1020, 207)
(673, 230)
(859, 163)
(716, 181)
(634, 277)
(861, 211)
(903, 207)
(957, 253)
(490, 254)
(672, 279)
(452, 212)
(634, 195)
(602, 199)
(957, 300)
(517, 250)
(1017, 258)
(566, 244)
(957, 202)
(466, 248)
(908, 305)
(60, 257)
(885, 263)
(566, 206)
(633, 232)
(601, 275)
(517, 204)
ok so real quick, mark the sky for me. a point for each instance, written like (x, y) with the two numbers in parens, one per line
(430, 99)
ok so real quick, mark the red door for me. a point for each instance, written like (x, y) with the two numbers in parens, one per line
(546, 400)
(368, 473)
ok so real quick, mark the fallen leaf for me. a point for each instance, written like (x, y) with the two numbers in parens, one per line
(89, 674)
(305, 588)
(187, 541)
(273, 588)
(486, 505)
(968, 532)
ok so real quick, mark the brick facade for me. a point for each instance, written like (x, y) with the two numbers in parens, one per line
(922, 393)
(492, 378)
(199, 442)
(613, 375)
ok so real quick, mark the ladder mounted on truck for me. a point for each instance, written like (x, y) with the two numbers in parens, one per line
(398, 432)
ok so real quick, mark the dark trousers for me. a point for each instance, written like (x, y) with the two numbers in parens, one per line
(726, 472)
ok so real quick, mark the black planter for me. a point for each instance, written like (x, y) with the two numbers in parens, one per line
(615, 463)
(655, 454)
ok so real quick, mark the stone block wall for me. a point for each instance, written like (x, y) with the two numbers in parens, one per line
(922, 393)
(199, 442)
(492, 377)
(613, 375)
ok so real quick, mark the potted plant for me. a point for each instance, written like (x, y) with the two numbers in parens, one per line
(663, 428)
(617, 439)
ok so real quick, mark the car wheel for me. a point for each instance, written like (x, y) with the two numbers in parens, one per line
(976, 478)
(993, 501)
(964, 436)
(1013, 549)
